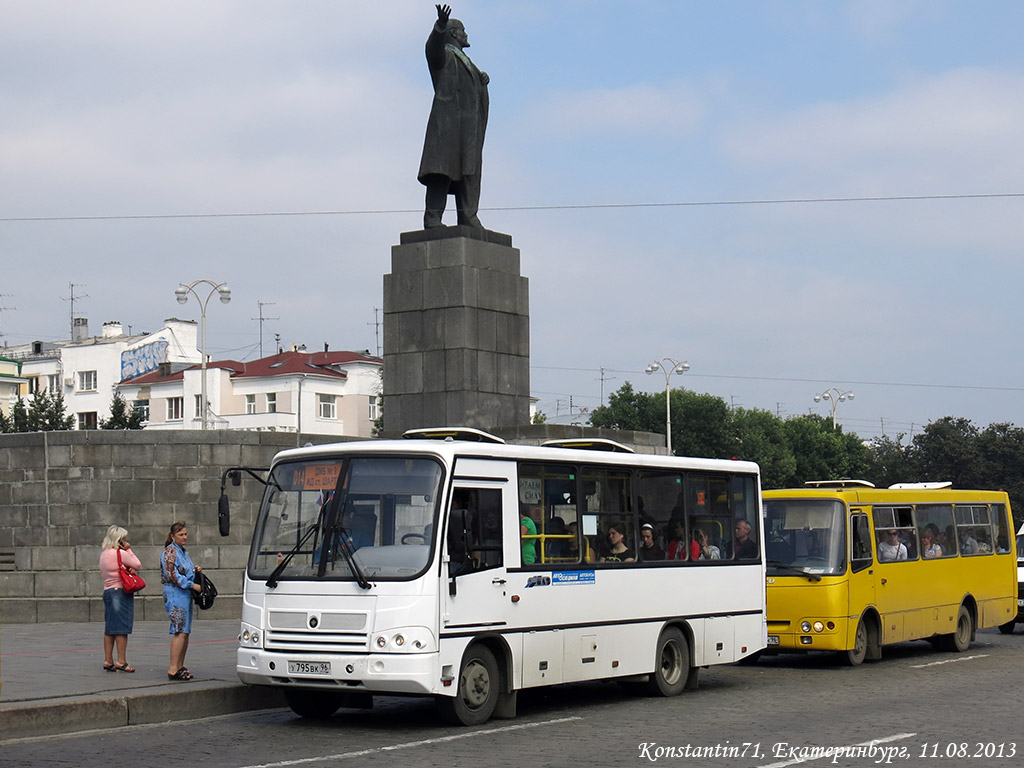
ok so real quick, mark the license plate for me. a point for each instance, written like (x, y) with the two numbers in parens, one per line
(1020, 603)
(773, 639)
(309, 667)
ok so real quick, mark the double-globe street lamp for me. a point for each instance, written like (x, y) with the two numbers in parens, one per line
(668, 366)
(835, 396)
(182, 292)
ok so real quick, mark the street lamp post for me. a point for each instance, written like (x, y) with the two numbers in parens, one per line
(835, 396)
(668, 366)
(181, 293)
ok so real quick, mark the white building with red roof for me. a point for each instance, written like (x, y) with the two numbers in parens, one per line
(325, 393)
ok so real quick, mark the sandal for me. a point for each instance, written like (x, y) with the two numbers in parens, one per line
(108, 667)
(124, 667)
(181, 674)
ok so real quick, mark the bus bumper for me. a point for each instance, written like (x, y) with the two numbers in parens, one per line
(406, 673)
(787, 640)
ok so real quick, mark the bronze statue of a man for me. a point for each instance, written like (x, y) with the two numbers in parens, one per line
(453, 147)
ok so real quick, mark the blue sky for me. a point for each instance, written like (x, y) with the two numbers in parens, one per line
(124, 109)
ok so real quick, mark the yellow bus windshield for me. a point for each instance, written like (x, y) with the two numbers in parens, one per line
(805, 535)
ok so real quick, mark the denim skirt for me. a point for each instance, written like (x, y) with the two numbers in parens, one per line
(118, 612)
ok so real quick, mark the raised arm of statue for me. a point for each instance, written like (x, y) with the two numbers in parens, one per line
(443, 13)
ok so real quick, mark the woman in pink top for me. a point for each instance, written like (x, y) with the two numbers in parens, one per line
(118, 607)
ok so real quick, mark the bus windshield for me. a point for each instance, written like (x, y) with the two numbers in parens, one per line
(805, 536)
(358, 517)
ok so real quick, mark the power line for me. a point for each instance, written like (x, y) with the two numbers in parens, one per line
(575, 207)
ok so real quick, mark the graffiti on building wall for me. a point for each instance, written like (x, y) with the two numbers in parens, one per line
(135, 362)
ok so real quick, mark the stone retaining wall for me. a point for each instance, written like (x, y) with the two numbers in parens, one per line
(60, 491)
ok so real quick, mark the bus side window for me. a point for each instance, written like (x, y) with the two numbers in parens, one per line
(861, 541)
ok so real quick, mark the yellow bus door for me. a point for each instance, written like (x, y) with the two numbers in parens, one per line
(863, 576)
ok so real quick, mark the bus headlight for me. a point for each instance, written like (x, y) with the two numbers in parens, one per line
(805, 626)
(405, 640)
(818, 626)
(249, 636)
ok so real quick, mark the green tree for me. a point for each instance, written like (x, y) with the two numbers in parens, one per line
(628, 409)
(42, 414)
(761, 437)
(5, 422)
(122, 415)
(889, 461)
(948, 449)
(539, 417)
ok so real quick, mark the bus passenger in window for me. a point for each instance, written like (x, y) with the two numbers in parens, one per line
(527, 527)
(745, 548)
(677, 545)
(618, 552)
(700, 549)
(930, 546)
(573, 548)
(649, 550)
(969, 544)
(890, 548)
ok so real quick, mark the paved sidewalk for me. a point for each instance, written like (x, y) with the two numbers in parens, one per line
(53, 679)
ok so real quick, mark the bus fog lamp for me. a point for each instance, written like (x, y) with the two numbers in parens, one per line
(805, 626)
(255, 636)
(818, 626)
(806, 640)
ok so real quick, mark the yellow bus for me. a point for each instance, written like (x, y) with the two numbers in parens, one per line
(851, 567)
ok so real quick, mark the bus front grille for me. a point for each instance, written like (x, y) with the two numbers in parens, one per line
(317, 642)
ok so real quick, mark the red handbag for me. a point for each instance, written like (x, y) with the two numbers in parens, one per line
(131, 582)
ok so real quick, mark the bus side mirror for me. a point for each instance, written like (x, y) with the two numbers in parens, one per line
(224, 514)
(236, 477)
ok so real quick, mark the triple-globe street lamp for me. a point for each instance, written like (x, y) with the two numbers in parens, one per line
(834, 396)
(668, 366)
(181, 293)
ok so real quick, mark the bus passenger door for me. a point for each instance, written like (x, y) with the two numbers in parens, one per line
(475, 595)
(862, 571)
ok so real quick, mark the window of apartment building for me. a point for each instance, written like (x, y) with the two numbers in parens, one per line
(33, 384)
(199, 406)
(175, 408)
(373, 408)
(250, 403)
(271, 402)
(87, 420)
(87, 381)
(53, 382)
(327, 406)
(143, 407)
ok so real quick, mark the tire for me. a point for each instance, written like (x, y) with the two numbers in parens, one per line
(477, 694)
(1007, 628)
(315, 705)
(671, 664)
(752, 659)
(960, 640)
(856, 655)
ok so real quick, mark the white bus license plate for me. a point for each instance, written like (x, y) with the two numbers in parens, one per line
(773, 639)
(1020, 603)
(309, 667)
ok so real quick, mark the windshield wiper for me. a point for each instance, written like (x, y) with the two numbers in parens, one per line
(794, 569)
(339, 534)
(275, 575)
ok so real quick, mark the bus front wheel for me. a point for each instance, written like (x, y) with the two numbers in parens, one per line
(671, 664)
(960, 640)
(856, 655)
(477, 694)
(315, 705)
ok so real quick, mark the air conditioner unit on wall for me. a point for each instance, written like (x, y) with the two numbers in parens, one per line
(69, 382)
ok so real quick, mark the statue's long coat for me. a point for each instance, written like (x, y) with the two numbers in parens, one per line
(454, 143)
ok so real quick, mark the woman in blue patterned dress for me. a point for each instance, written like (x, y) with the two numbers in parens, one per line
(177, 574)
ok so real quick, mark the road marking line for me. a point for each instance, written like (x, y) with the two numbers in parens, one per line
(799, 760)
(948, 661)
(409, 744)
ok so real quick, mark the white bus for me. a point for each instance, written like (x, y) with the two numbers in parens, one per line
(460, 567)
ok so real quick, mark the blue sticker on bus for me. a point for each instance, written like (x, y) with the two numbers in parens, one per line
(573, 577)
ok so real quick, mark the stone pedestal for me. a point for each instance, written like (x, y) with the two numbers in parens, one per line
(456, 332)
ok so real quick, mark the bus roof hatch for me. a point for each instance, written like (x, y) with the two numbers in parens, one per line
(466, 434)
(589, 444)
(920, 486)
(847, 483)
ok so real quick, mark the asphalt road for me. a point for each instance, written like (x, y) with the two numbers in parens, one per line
(917, 707)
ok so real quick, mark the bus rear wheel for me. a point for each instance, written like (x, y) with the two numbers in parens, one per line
(671, 664)
(960, 640)
(315, 705)
(477, 694)
(1007, 628)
